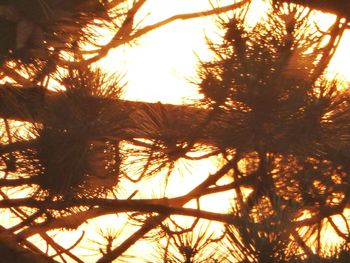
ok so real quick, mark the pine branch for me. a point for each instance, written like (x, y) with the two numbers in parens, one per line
(340, 8)
(10, 251)
(120, 39)
(31, 104)
(153, 222)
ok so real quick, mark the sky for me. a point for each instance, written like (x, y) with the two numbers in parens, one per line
(156, 67)
(159, 65)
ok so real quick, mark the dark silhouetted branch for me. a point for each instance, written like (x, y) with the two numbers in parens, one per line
(11, 251)
(340, 8)
(117, 40)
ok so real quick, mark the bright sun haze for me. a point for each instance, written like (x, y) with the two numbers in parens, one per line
(159, 65)
(162, 66)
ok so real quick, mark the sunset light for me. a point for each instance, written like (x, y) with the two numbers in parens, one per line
(174, 131)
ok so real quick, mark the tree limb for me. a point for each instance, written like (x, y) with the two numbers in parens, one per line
(340, 8)
(117, 41)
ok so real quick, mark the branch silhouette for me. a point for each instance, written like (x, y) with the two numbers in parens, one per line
(275, 129)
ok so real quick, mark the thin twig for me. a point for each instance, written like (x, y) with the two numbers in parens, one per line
(117, 41)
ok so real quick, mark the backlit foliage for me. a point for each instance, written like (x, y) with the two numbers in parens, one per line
(72, 150)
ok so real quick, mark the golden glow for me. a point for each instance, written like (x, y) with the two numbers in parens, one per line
(159, 65)
(157, 68)
(340, 64)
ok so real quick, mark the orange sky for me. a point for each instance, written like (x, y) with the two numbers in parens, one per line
(158, 66)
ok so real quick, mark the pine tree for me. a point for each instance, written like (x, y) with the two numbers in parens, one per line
(276, 127)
